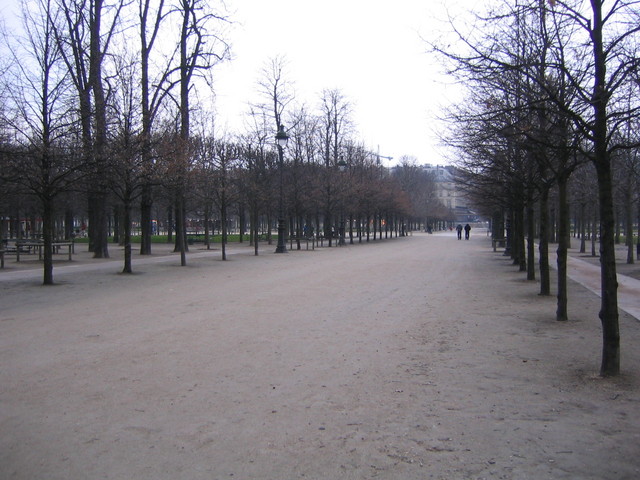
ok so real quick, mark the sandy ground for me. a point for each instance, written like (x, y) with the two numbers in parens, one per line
(422, 357)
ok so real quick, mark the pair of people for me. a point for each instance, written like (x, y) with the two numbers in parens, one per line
(467, 229)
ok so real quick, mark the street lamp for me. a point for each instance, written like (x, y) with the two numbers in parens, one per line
(342, 168)
(281, 142)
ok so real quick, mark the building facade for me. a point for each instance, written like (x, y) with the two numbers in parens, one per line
(448, 192)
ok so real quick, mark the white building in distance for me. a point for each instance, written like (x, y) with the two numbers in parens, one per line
(448, 192)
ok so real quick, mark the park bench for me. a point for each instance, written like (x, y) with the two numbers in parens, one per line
(497, 242)
(33, 245)
(305, 240)
(11, 245)
(321, 239)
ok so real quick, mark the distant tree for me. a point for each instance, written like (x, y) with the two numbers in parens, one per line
(419, 186)
(335, 128)
(276, 93)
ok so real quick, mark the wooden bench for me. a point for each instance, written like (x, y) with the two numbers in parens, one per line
(35, 245)
(302, 239)
(497, 242)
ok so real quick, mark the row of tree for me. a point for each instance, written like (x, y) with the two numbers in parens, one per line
(83, 75)
(105, 106)
(553, 96)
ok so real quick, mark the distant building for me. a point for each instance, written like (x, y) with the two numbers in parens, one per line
(446, 189)
(449, 194)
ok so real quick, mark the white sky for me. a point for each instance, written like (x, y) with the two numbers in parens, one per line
(373, 51)
(370, 50)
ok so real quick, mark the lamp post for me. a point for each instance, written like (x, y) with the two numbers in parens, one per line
(281, 142)
(342, 168)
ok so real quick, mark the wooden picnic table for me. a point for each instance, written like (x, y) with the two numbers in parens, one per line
(38, 245)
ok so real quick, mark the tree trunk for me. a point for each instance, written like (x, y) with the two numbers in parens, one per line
(181, 232)
(351, 229)
(146, 46)
(518, 253)
(146, 228)
(610, 364)
(101, 246)
(118, 215)
(170, 224)
(629, 225)
(207, 221)
(638, 238)
(127, 235)
(545, 280)
(594, 234)
(368, 226)
(241, 222)
(47, 238)
(583, 228)
(68, 224)
(609, 300)
(254, 227)
(223, 219)
(563, 240)
(531, 261)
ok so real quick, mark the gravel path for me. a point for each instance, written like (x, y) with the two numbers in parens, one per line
(421, 357)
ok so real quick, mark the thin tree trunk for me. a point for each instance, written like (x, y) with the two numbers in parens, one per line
(127, 236)
(545, 280)
(47, 238)
(629, 225)
(170, 224)
(223, 214)
(146, 229)
(531, 261)
(583, 228)
(180, 245)
(207, 232)
(594, 234)
(563, 240)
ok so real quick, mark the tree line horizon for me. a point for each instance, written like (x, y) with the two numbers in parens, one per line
(105, 114)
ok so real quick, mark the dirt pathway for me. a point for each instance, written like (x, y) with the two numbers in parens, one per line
(417, 358)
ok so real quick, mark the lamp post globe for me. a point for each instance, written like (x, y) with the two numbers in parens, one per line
(281, 137)
(281, 142)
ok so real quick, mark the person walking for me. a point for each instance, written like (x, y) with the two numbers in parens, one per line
(459, 230)
(467, 229)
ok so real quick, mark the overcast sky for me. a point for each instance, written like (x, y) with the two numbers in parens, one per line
(373, 51)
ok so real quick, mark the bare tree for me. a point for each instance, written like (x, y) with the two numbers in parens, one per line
(597, 60)
(200, 47)
(154, 88)
(130, 171)
(276, 93)
(43, 118)
(335, 121)
(84, 43)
